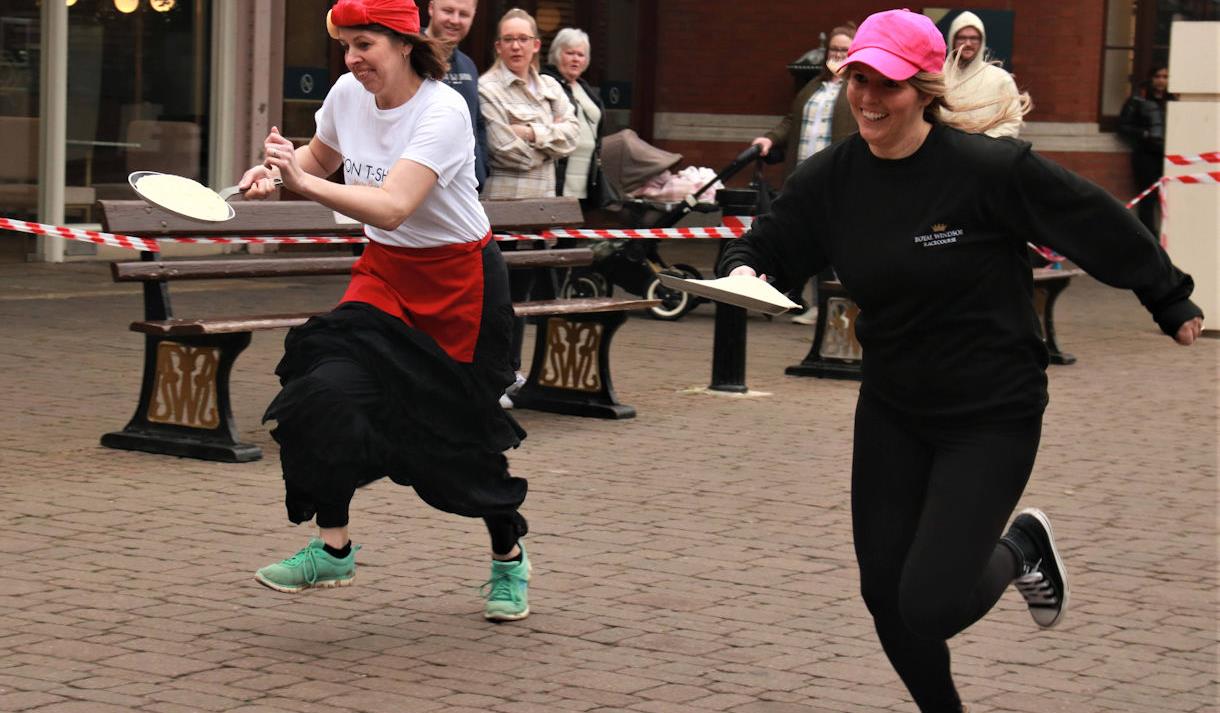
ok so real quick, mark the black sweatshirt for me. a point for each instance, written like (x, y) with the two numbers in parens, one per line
(932, 247)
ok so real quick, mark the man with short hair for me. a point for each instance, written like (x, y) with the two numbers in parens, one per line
(978, 88)
(449, 22)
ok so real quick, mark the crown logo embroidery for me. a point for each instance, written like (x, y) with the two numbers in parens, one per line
(939, 228)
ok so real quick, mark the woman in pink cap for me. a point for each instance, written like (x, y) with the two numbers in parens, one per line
(926, 226)
(403, 377)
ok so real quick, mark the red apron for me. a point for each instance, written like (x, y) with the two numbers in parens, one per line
(436, 290)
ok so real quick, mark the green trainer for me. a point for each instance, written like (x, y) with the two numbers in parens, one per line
(311, 567)
(507, 590)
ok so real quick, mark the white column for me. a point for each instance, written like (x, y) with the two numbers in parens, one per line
(1192, 228)
(52, 127)
(223, 164)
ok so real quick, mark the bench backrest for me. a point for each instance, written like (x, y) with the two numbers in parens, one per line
(271, 218)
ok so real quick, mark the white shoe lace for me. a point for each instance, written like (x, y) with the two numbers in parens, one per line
(1036, 588)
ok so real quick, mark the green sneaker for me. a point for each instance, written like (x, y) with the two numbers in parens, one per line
(507, 590)
(311, 567)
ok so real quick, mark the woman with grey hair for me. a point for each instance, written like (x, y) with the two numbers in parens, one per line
(577, 174)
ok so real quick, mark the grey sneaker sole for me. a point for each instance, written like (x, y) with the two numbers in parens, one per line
(325, 584)
(1050, 533)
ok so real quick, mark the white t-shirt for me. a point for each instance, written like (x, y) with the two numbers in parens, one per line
(433, 129)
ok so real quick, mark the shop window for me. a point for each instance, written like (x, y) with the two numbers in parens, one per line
(1137, 40)
(138, 79)
(19, 59)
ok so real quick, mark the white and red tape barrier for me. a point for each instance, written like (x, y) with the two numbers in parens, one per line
(734, 227)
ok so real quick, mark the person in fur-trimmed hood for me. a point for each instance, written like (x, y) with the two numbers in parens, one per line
(981, 93)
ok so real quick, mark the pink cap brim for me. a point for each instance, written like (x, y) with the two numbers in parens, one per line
(889, 64)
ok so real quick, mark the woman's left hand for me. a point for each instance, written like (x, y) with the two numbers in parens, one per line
(279, 153)
(1189, 332)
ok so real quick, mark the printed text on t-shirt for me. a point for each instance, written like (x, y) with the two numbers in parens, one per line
(364, 172)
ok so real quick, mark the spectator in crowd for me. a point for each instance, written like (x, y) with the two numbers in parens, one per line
(449, 22)
(578, 174)
(819, 116)
(926, 227)
(982, 95)
(530, 124)
(1142, 124)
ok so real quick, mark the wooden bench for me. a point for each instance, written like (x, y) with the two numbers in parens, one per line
(836, 354)
(184, 406)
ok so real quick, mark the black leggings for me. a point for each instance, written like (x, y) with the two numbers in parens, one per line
(929, 504)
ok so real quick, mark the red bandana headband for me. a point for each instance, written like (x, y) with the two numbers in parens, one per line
(402, 16)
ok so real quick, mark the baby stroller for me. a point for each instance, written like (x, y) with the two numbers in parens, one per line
(628, 162)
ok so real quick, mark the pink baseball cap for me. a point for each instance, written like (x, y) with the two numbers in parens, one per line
(898, 43)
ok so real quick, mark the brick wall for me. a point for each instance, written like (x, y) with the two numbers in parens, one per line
(726, 57)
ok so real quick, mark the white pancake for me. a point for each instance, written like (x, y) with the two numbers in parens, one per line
(741, 290)
(183, 196)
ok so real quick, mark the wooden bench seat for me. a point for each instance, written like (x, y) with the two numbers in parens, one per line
(184, 406)
(836, 354)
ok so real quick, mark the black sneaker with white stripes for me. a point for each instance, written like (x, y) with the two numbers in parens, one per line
(1043, 581)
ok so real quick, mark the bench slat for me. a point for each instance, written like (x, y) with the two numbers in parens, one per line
(135, 217)
(304, 266)
(229, 325)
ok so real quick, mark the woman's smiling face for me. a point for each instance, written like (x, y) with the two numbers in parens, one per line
(888, 113)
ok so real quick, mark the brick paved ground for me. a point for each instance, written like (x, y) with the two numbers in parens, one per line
(697, 558)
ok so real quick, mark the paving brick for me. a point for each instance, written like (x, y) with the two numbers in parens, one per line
(696, 558)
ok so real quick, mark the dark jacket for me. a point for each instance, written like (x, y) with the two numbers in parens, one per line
(561, 165)
(464, 77)
(786, 134)
(1142, 124)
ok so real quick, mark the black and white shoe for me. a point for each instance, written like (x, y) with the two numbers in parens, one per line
(1044, 582)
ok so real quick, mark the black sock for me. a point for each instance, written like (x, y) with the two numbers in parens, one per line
(520, 554)
(1023, 547)
(340, 554)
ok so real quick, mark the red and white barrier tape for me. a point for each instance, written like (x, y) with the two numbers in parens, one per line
(89, 236)
(1195, 178)
(1209, 157)
(734, 227)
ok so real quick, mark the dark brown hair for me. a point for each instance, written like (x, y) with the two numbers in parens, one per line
(427, 54)
(848, 28)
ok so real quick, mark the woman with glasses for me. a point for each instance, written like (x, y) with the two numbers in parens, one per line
(818, 117)
(530, 122)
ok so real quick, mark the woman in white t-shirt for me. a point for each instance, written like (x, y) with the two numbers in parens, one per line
(403, 377)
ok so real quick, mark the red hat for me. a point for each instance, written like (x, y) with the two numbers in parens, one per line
(402, 16)
(899, 44)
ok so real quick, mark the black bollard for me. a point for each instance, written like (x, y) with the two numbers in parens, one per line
(729, 350)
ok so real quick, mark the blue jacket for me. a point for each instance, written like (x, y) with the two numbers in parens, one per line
(464, 77)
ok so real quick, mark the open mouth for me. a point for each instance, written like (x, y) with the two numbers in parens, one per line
(872, 115)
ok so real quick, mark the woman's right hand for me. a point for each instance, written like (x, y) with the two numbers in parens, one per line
(257, 183)
(765, 143)
(747, 271)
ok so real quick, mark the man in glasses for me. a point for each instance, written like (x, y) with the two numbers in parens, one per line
(981, 93)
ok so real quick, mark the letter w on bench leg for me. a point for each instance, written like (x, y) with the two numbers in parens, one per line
(184, 407)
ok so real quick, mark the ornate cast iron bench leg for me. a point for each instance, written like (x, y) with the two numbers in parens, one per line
(570, 372)
(184, 407)
(835, 353)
